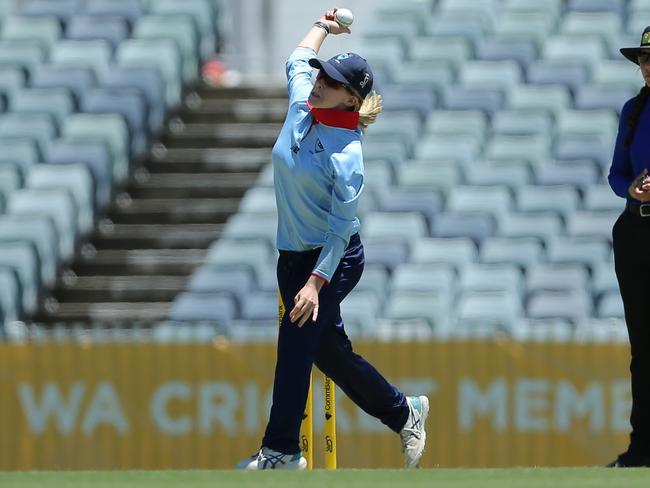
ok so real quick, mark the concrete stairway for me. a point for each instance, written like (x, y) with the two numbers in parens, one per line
(143, 251)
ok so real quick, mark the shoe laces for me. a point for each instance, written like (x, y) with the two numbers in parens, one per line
(273, 459)
(412, 431)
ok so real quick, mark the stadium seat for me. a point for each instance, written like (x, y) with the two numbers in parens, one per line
(360, 311)
(161, 54)
(602, 198)
(20, 151)
(56, 102)
(553, 7)
(61, 9)
(427, 202)
(499, 308)
(495, 200)
(616, 6)
(419, 100)
(588, 49)
(86, 28)
(10, 303)
(149, 82)
(95, 54)
(454, 50)
(131, 10)
(179, 28)
(108, 129)
(428, 76)
(39, 128)
(592, 224)
(556, 277)
(476, 225)
(388, 253)
(210, 307)
(22, 258)
(577, 173)
(616, 72)
(543, 330)
(523, 51)
(584, 250)
(603, 279)
(498, 173)
(571, 149)
(41, 232)
(492, 277)
(374, 280)
(574, 305)
(11, 178)
(76, 80)
(94, 155)
(456, 97)
(253, 256)
(551, 98)
(458, 147)
(431, 175)
(394, 225)
(456, 122)
(592, 97)
(459, 252)
(260, 306)
(523, 251)
(599, 23)
(561, 199)
(130, 104)
(12, 78)
(410, 305)
(542, 227)
(419, 277)
(471, 25)
(603, 331)
(610, 305)
(404, 126)
(522, 122)
(28, 55)
(45, 30)
(526, 25)
(499, 75)
(257, 226)
(211, 279)
(203, 14)
(77, 179)
(531, 148)
(557, 72)
(57, 204)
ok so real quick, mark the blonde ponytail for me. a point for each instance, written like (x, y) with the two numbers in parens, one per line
(370, 110)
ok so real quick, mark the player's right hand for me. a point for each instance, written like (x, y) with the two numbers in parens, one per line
(335, 27)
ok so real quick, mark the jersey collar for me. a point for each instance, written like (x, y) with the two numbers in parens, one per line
(343, 119)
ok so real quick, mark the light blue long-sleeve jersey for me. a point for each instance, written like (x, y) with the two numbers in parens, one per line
(318, 176)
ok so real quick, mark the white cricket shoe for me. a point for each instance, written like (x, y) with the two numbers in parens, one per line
(248, 463)
(270, 459)
(413, 435)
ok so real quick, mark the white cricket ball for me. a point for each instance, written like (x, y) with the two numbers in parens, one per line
(344, 17)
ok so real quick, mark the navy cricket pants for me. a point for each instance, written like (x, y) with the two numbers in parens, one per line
(325, 344)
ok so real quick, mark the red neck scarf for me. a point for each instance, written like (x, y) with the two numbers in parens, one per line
(344, 119)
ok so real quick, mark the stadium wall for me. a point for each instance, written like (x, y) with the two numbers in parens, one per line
(144, 406)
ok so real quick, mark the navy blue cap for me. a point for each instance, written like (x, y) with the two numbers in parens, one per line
(349, 69)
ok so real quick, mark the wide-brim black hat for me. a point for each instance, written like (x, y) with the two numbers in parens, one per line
(632, 53)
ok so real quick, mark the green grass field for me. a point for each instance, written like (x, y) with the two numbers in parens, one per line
(451, 478)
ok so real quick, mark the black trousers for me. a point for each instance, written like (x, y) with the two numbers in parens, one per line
(325, 344)
(631, 237)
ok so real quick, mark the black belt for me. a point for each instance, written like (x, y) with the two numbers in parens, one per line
(641, 210)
